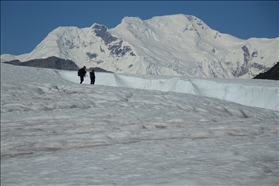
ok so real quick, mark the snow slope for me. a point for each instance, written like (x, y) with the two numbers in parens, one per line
(174, 45)
(55, 131)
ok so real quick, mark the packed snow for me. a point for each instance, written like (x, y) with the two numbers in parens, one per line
(136, 130)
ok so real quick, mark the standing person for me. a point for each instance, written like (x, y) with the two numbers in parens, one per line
(82, 73)
(92, 77)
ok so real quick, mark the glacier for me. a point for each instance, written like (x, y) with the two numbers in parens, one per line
(135, 130)
(255, 93)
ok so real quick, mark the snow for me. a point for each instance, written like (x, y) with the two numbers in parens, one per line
(136, 130)
(256, 93)
(174, 45)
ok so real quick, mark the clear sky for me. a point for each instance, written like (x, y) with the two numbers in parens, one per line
(24, 24)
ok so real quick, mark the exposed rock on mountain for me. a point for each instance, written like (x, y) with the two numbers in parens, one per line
(272, 74)
(51, 62)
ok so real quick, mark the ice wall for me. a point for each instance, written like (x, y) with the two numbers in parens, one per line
(249, 92)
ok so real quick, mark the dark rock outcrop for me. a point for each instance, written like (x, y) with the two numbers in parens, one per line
(271, 74)
(102, 32)
(117, 48)
(51, 62)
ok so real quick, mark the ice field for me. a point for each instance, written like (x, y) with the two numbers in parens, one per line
(136, 130)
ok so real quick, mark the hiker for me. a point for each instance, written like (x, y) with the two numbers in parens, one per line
(92, 77)
(82, 73)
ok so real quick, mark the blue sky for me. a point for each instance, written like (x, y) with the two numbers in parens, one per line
(24, 24)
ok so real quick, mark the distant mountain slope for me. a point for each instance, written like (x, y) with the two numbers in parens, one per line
(272, 74)
(177, 45)
(51, 62)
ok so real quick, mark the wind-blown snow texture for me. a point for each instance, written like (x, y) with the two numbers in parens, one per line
(56, 131)
(175, 45)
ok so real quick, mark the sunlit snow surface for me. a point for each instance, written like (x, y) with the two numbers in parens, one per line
(161, 131)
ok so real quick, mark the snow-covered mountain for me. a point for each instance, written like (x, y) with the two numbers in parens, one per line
(177, 45)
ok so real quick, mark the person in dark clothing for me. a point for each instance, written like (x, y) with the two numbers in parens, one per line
(82, 73)
(92, 77)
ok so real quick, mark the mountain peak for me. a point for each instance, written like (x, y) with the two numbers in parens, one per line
(128, 20)
(97, 26)
(176, 45)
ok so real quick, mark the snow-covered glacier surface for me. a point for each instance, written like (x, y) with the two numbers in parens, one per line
(136, 130)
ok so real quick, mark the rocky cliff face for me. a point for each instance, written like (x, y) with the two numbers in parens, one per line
(114, 44)
(272, 74)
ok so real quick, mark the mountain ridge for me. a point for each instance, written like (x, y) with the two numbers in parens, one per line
(177, 45)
